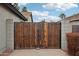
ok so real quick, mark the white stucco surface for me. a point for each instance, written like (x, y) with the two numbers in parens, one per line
(7, 19)
(66, 27)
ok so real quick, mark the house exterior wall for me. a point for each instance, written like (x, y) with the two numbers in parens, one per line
(7, 19)
(29, 19)
(28, 16)
(66, 26)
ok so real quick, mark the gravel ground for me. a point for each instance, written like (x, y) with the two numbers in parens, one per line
(39, 52)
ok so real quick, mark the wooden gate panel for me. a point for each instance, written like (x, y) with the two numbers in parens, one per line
(57, 35)
(44, 41)
(50, 36)
(18, 35)
(32, 35)
(54, 35)
(26, 35)
(39, 34)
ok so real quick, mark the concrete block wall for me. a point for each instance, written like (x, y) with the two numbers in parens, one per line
(9, 33)
(2, 33)
(7, 19)
(66, 27)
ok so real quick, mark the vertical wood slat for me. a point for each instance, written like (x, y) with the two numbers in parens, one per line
(44, 41)
(35, 34)
(18, 35)
(46, 34)
(41, 34)
(32, 35)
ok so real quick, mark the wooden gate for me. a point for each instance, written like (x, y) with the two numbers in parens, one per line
(54, 35)
(33, 35)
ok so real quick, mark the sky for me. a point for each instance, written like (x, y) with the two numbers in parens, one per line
(50, 11)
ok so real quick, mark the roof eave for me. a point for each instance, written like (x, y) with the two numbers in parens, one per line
(12, 8)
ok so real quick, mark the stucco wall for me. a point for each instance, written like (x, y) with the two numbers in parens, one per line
(66, 26)
(7, 19)
(29, 19)
(28, 16)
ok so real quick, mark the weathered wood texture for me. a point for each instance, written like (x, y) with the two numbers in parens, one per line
(54, 35)
(73, 43)
(32, 35)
